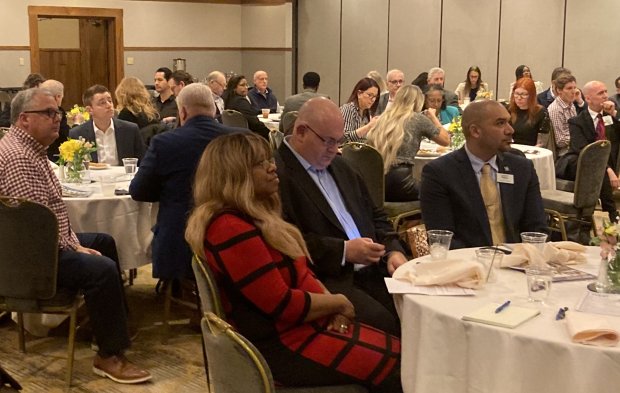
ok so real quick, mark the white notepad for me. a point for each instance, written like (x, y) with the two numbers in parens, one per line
(509, 317)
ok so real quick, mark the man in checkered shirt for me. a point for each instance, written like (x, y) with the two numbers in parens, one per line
(25, 172)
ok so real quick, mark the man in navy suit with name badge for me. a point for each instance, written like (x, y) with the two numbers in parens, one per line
(480, 192)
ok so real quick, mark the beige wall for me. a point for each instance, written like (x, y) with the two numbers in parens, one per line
(342, 40)
(153, 24)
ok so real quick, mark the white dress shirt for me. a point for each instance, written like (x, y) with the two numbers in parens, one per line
(106, 145)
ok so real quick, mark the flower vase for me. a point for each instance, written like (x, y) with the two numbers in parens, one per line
(75, 172)
(608, 280)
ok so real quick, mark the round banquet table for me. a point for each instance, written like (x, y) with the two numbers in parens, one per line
(273, 122)
(128, 221)
(442, 353)
(541, 158)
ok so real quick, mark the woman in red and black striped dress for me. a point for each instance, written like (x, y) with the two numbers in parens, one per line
(307, 335)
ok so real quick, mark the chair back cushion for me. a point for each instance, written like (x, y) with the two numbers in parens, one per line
(591, 167)
(288, 121)
(233, 118)
(234, 364)
(368, 162)
(28, 250)
(207, 288)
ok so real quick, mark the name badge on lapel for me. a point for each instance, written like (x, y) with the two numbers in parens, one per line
(505, 178)
(607, 120)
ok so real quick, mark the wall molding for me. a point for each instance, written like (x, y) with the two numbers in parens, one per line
(203, 48)
(15, 47)
(241, 2)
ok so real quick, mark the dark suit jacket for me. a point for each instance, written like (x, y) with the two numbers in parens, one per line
(384, 98)
(582, 133)
(166, 175)
(129, 144)
(241, 104)
(303, 205)
(451, 199)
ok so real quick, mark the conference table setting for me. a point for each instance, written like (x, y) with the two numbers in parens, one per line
(272, 120)
(516, 318)
(101, 203)
(541, 158)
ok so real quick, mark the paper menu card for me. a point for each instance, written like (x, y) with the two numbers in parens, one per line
(509, 317)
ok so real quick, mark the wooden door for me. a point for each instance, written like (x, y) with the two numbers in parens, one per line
(64, 65)
(95, 57)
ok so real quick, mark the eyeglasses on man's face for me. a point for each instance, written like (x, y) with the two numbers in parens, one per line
(51, 113)
(397, 82)
(328, 142)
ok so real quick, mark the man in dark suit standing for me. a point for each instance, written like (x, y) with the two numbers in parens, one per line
(598, 122)
(452, 194)
(116, 139)
(350, 240)
(166, 175)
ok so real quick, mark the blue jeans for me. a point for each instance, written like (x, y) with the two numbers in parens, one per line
(98, 277)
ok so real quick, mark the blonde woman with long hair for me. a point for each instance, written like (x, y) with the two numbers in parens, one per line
(397, 136)
(261, 265)
(134, 103)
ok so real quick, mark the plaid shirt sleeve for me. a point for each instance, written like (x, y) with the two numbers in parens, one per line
(560, 125)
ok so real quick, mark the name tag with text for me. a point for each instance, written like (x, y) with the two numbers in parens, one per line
(505, 178)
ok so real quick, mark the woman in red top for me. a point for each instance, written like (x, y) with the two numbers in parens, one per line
(307, 335)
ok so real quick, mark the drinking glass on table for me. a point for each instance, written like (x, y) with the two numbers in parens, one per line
(539, 280)
(537, 239)
(491, 261)
(108, 185)
(439, 243)
(130, 165)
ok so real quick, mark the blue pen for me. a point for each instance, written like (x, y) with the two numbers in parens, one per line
(502, 307)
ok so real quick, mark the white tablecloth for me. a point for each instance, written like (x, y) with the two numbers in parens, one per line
(543, 163)
(128, 221)
(273, 122)
(442, 353)
(542, 160)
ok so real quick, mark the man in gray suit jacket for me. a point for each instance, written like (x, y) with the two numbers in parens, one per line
(116, 139)
(311, 81)
(395, 79)
(437, 76)
(450, 192)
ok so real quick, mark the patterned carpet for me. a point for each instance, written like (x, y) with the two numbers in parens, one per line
(176, 367)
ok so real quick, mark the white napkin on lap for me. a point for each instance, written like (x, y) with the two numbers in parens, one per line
(590, 329)
(465, 274)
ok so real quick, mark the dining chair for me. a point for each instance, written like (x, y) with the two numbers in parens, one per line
(5, 99)
(232, 118)
(237, 366)
(8, 383)
(275, 139)
(578, 206)
(287, 122)
(368, 162)
(29, 266)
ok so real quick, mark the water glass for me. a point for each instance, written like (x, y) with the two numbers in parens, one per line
(130, 165)
(108, 185)
(491, 261)
(537, 239)
(539, 280)
(439, 243)
(265, 113)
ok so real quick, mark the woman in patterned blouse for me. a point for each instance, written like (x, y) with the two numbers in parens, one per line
(359, 109)
(308, 336)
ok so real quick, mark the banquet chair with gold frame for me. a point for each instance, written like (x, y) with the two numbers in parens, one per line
(232, 363)
(233, 118)
(368, 162)
(579, 206)
(29, 266)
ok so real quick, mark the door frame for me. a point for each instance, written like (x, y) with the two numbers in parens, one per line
(115, 34)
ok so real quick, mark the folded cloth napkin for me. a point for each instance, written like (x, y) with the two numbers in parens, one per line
(591, 329)
(565, 253)
(465, 274)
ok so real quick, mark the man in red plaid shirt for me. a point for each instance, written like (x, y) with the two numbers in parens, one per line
(25, 172)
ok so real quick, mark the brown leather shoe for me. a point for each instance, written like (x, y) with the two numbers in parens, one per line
(119, 369)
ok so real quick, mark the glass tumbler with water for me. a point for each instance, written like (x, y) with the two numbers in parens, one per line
(539, 280)
(439, 243)
(130, 165)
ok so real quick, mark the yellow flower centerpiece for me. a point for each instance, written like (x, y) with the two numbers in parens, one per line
(77, 115)
(457, 139)
(484, 95)
(73, 154)
(609, 270)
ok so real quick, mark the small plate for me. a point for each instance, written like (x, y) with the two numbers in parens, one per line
(95, 166)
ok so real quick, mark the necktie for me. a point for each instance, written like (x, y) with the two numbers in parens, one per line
(492, 203)
(600, 128)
